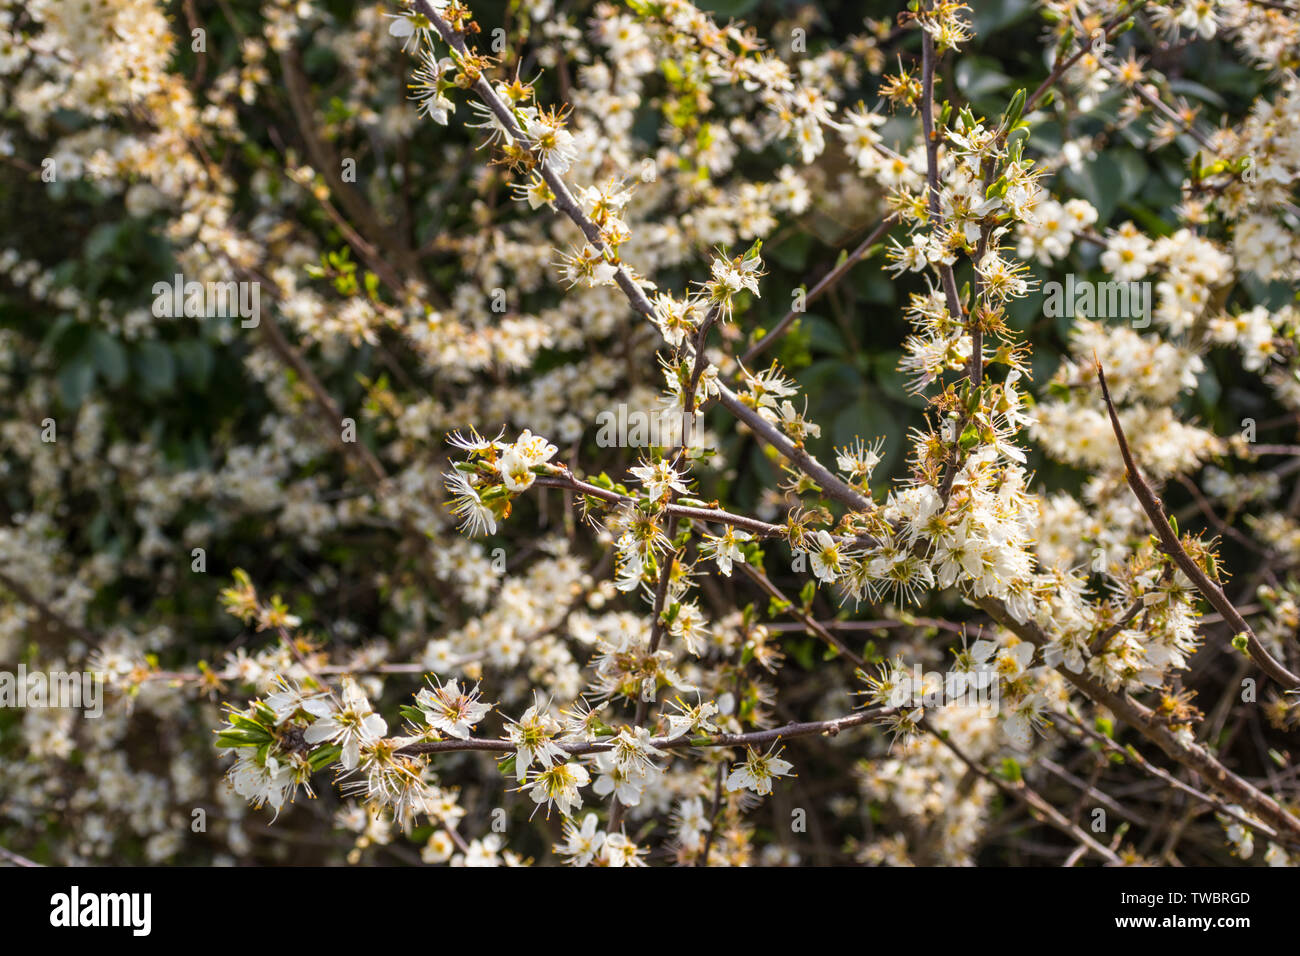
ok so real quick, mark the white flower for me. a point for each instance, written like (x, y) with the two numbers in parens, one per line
(552, 142)
(614, 779)
(634, 754)
(690, 823)
(533, 449)
(532, 736)
(260, 783)
(697, 719)
(414, 29)
(558, 786)
(291, 698)
(860, 460)
(581, 844)
(354, 725)
(725, 549)
(1010, 662)
(481, 853)
(830, 560)
(689, 627)
(1020, 723)
(516, 473)
(757, 771)
(796, 425)
(587, 266)
(618, 851)
(474, 444)
(467, 504)
(769, 386)
(732, 275)
(660, 479)
(1128, 256)
(449, 710)
(428, 87)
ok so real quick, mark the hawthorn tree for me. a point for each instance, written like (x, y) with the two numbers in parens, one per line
(623, 435)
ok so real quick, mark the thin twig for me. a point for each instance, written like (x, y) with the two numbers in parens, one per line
(825, 283)
(828, 728)
(1173, 547)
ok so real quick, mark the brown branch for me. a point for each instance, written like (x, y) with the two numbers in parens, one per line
(809, 622)
(713, 815)
(1144, 721)
(18, 860)
(48, 614)
(563, 200)
(293, 358)
(1131, 753)
(757, 738)
(823, 285)
(656, 636)
(829, 483)
(884, 624)
(758, 528)
(1170, 544)
(1103, 638)
(928, 63)
(325, 162)
(688, 400)
(1028, 796)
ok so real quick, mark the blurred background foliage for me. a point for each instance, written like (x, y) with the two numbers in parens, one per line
(183, 384)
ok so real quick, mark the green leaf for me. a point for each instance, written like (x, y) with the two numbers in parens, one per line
(76, 379)
(978, 77)
(413, 714)
(196, 362)
(1109, 180)
(324, 756)
(247, 724)
(1015, 108)
(1197, 90)
(802, 652)
(103, 239)
(58, 328)
(990, 16)
(722, 9)
(155, 366)
(110, 358)
(970, 437)
(791, 253)
(777, 606)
